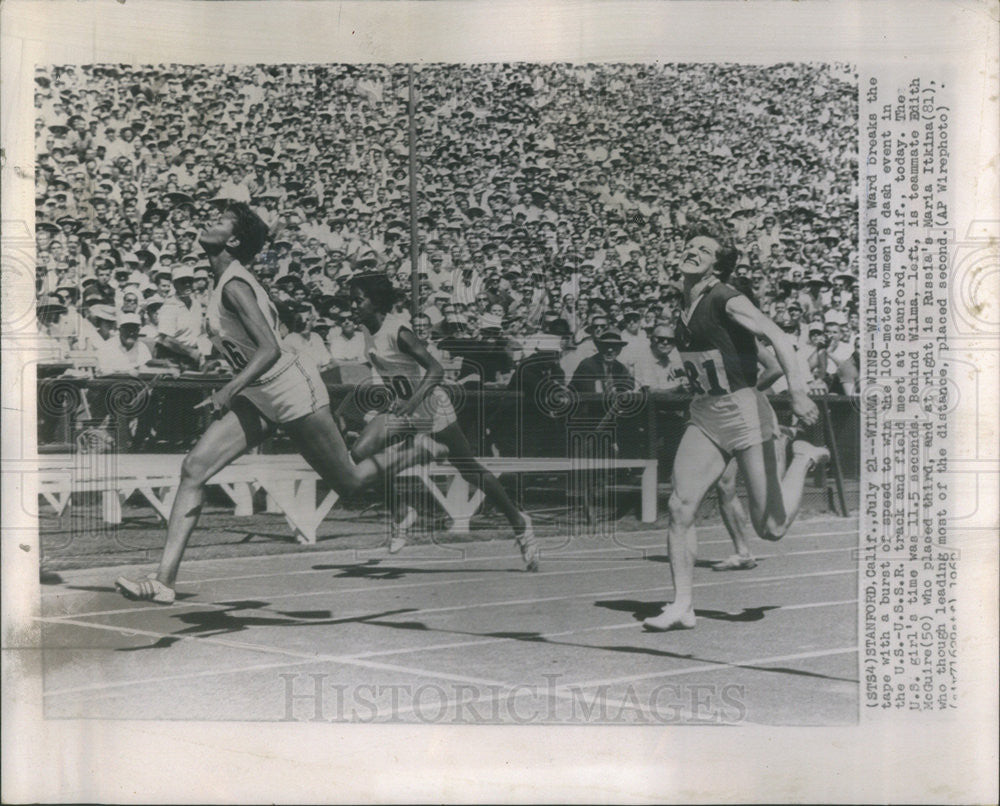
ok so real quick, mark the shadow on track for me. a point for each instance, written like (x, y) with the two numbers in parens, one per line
(208, 623)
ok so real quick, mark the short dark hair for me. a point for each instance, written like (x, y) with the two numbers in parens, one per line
(249, 230)
(378, 288)
(725, 259)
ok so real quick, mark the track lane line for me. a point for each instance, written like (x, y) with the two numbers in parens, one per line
(438, 561)
(336, 592)
(565, 691)
(506, 603)
(635, 625)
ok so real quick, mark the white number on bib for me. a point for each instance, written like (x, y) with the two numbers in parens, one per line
(706, 372)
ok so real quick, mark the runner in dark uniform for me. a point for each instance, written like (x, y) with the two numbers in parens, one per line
(729, 417)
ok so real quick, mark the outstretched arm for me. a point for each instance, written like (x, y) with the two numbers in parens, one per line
(744, 313)
(771, 369)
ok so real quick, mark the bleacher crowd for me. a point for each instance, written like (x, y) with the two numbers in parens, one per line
(551, 210)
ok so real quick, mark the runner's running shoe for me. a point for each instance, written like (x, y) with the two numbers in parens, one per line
(147, 589)
(527, 544)
(400, 531)
(735, 562)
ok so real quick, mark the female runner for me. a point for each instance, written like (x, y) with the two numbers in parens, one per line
(421, 406)
(269, 388)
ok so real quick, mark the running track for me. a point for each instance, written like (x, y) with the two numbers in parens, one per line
(459, 634)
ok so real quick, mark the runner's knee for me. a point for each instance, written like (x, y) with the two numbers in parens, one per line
(771, 530)
(350, 481)
(195, 468)
(726, 486)
(682, 509)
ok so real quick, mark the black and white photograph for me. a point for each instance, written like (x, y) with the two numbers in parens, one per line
(491, 394)
(491, 435)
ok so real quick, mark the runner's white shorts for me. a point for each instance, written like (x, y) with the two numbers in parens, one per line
(735, 421)
(434, 414)
(291, 393)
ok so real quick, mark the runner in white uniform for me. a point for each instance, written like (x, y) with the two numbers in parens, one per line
(421, 406)
(269, 388)
(401, 372)
(278, 393)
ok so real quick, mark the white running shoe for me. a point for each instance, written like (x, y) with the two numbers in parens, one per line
(400, 531)
(528, 545)
(671, 619)
(736, 562)
(147, 589)
(815, 454)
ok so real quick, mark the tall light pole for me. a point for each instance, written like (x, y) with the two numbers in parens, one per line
(414, 251)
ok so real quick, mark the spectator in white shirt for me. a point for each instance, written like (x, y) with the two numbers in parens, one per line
(181, 323)
(124, 353)
(637, 348)
(348, 346)
(302, 341)
(664, 372)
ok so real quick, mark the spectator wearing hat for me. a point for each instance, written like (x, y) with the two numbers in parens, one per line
(128, 298)
(637, 346)
(200, 291)
(816, 295)
(603, 372)
(125, 353)
(815, 354)
(68, 293)
(798, 327)
(181, 325)
(438, 269)
(151, 313)
(52, 343)
(103, 318)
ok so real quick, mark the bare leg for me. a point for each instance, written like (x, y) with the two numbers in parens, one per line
(373, 438)
(734, 517)
(322, 445)
(460, 455)
(697, 466)
(774, 499)
(225, 440)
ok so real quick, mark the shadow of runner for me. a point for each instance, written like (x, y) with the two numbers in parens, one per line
(373, 569)
(540, 638)
(643, 610)
(208, 623)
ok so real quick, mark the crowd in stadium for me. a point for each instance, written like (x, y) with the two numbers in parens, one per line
(552, 202)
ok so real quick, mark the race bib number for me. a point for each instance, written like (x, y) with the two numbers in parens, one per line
(401, 386)
(706, 372)
(232, 353)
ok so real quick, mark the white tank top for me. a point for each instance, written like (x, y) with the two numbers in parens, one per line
(394, 368)
(227, 332)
